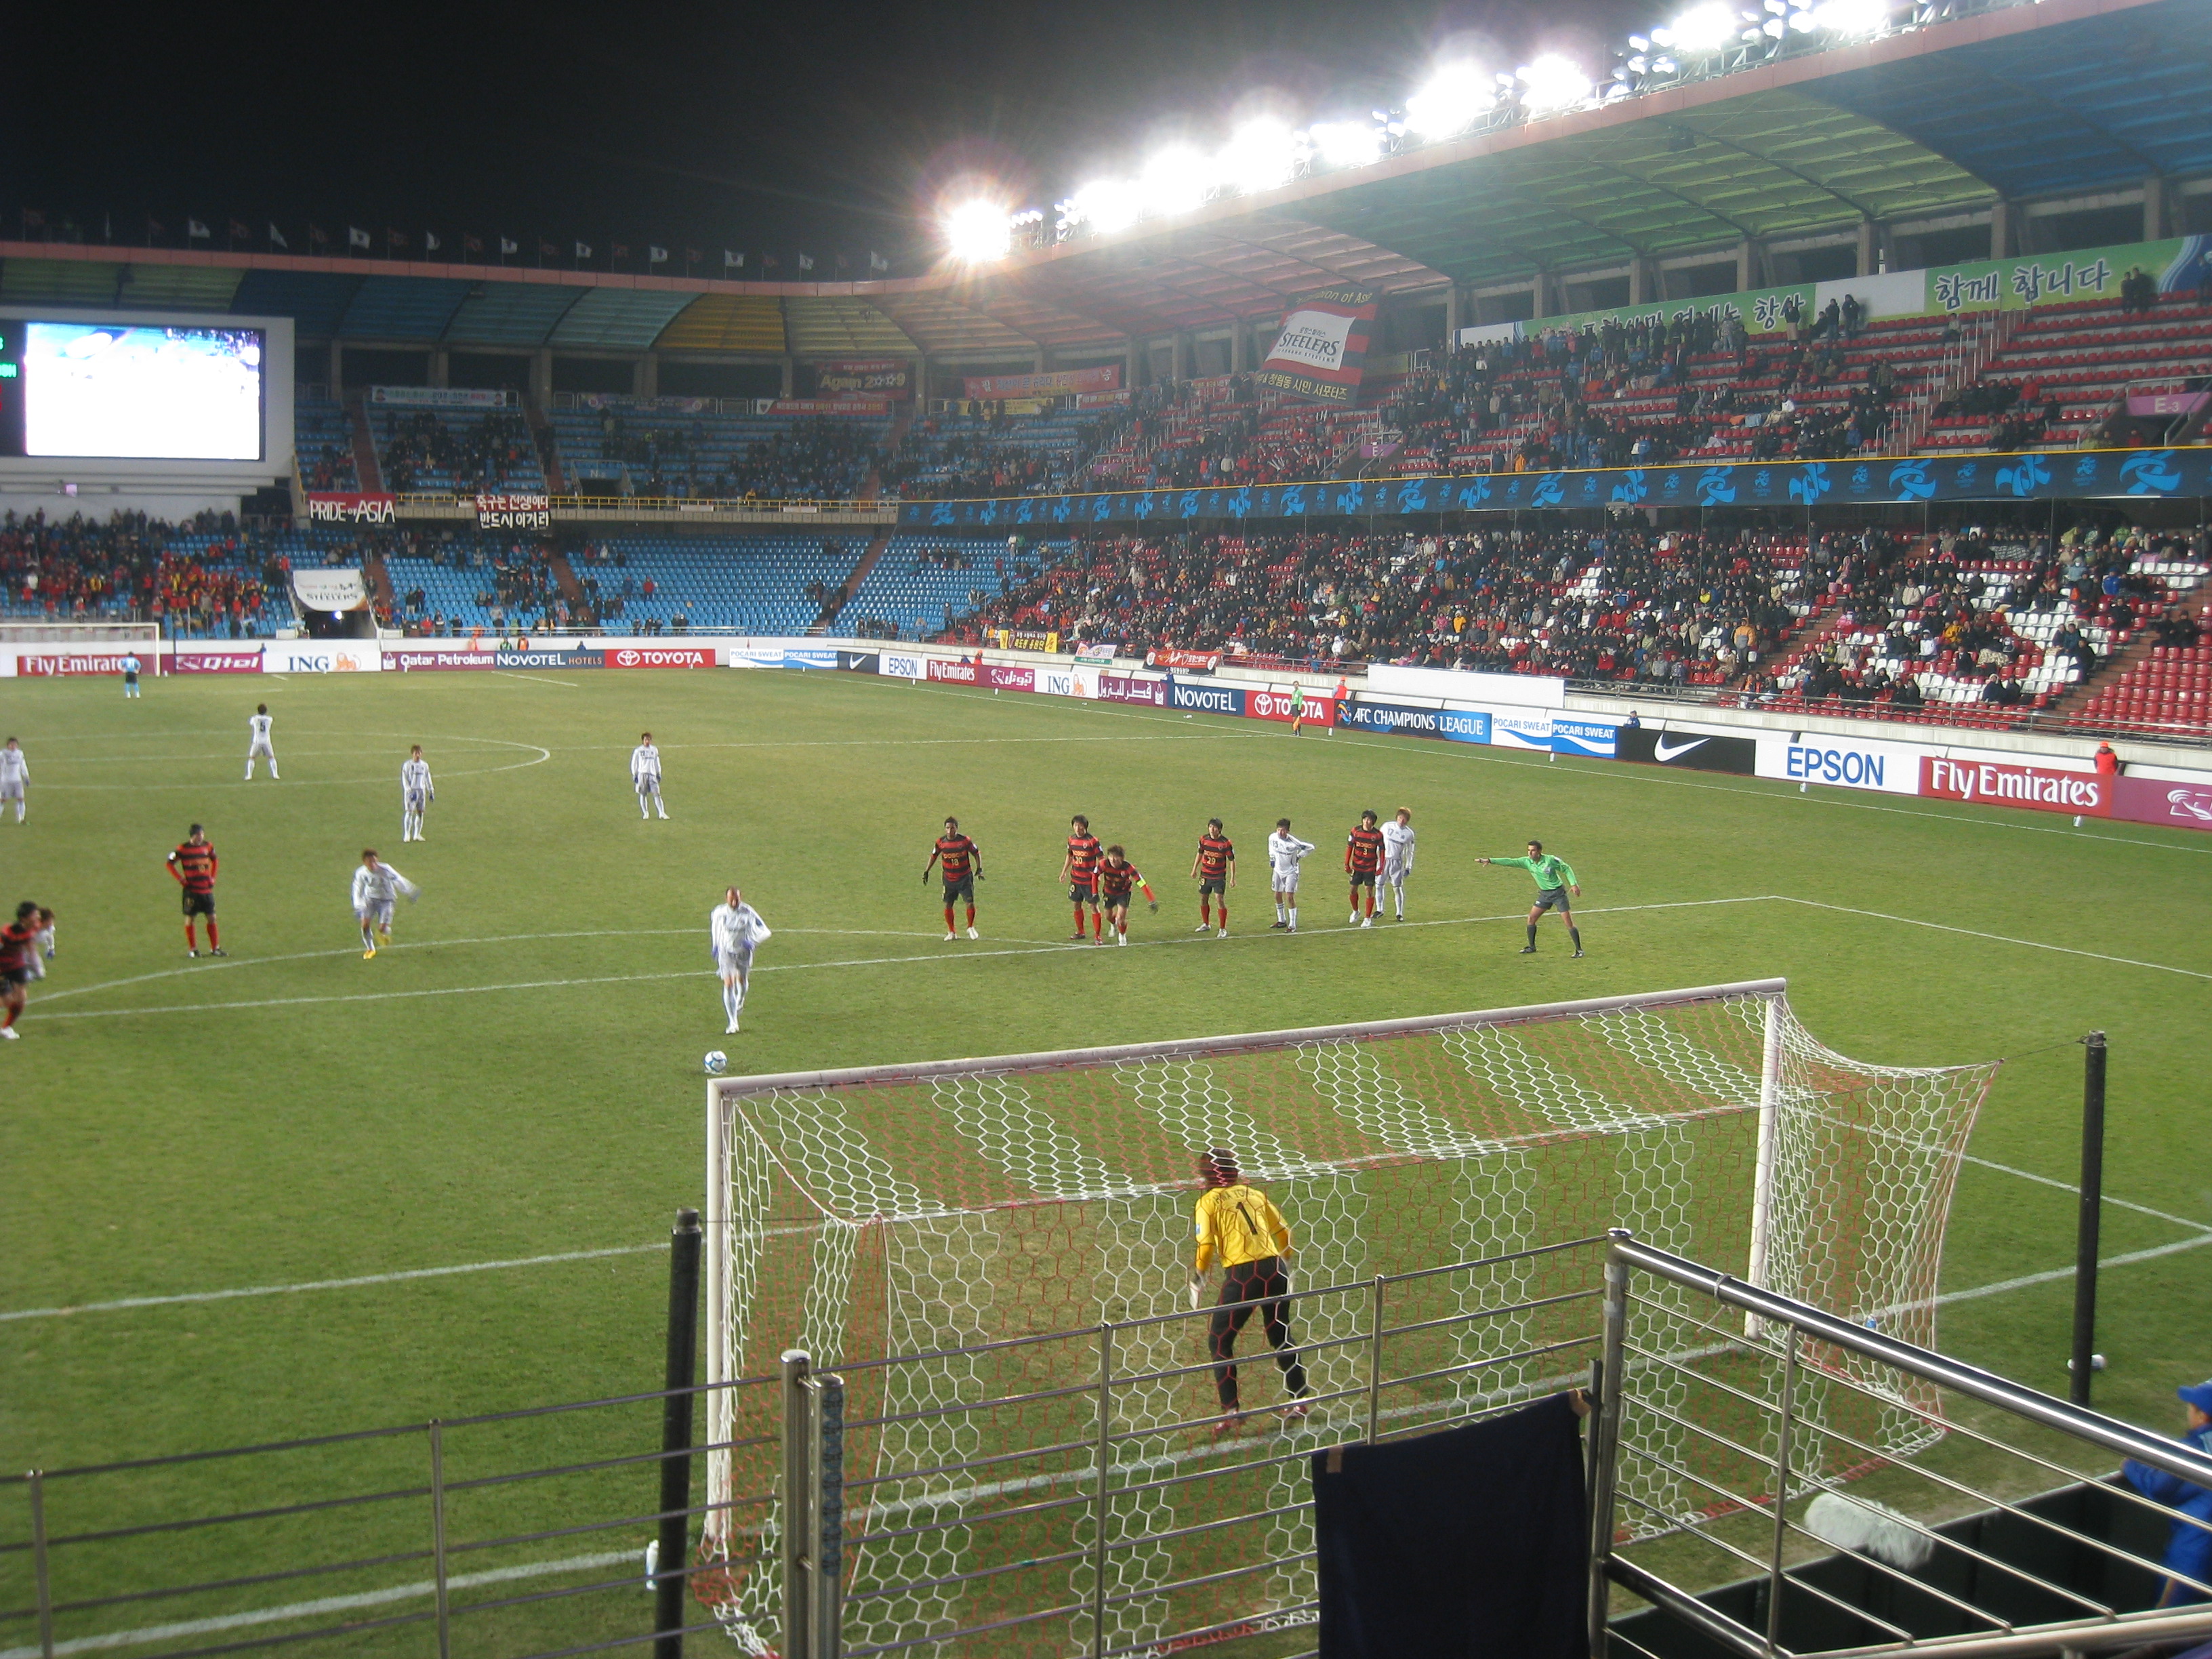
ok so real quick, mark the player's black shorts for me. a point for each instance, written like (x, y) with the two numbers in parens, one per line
(130, 677)
(16, 977)
(1214, 885)
(963, 889)
(1113, 903)
(1363, 878)
(1081, 894)
(1553, 898)
(199, 904)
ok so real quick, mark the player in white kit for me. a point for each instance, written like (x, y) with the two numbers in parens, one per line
(14, 776)
(1285, 853)
(260, 721)
(1398, 856)
(733, 928)
(415, 794)
(645, 776)
(376, 886)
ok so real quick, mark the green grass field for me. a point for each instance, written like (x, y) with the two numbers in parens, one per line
(519, 1078)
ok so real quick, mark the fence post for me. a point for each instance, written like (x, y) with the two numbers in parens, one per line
(438, 1533)
(2092, 1217)
(1605, 1425)
(677, 1407)
(1105, 1455)
(1762, 1179)
(42, 1569)
(825, 1511)
(1782, 1454)
(1374, 1361)
(798, 1640)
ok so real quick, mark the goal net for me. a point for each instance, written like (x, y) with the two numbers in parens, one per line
(953, 1236)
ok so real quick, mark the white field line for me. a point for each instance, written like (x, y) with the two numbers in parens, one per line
(329, 1604)
(889, 1508)
(1024, 949)
(2068, 1187)
(2000, 938)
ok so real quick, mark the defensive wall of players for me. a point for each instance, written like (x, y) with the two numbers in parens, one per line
(1527, 712)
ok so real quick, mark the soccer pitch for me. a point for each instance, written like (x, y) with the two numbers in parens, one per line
(237, 1190)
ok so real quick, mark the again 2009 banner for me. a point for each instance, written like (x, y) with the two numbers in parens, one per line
(2160, 474)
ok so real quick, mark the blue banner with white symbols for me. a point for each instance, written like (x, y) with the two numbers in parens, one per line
(2038, 475)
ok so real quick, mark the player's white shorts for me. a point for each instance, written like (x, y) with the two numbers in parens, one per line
(1286, 881)
(255, 750)
(415, 800)
(733, 962)
(1394, 872)
(649, 784)
(379, 914)
(11, 789)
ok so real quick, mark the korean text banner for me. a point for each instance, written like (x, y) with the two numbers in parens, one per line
(1322, 351)
(881, 377)
(1064, 383)
(2076, 475)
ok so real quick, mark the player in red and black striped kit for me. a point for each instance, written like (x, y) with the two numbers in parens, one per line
(1116, 876)
(961, 862)
(19, 964)
(193, 864)
(1080, 873)
(1215, 867)
(1363, 861)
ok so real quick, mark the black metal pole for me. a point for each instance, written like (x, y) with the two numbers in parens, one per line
(673, 1556)
(2093, 1204)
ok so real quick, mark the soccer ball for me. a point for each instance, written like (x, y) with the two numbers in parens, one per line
(717, 1063)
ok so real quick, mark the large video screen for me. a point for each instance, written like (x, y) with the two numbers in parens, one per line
(133, 391)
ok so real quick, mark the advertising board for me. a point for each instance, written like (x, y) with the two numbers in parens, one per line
(321, 657)
(421, 659)
(958, 669)
(665, 656)
(1010, 679)
(1520, 728)
(860, 662)
(1699, 754)
(902, 665)
(1844, 762)
(1998, 783)
(237, 660)
(1131, 688)
(1578, 734)
(1207, 699)
(1274, 705)
(1453, 725)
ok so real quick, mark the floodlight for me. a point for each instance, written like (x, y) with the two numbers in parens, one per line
(1852, 16)
(1451, 100)
(1551, 83)
(1702, 29)
(1346, 143)
(1105, 204)
(975, 231)
(1259, 156)
(1173, 181)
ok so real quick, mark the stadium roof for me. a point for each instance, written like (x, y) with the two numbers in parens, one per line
(2062, 97)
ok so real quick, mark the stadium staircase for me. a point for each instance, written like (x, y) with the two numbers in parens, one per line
(548, 437)
(564, 576)
(365, 465)
(872, 487)
(843, 595)
(380, 586)
(2164, 688)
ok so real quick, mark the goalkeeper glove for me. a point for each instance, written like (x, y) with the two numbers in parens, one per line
(1156, 906)
(1197, 1293)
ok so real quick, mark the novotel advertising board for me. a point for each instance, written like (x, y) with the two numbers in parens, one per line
(1208, 699)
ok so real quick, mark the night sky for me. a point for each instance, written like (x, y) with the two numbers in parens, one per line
(764, 128)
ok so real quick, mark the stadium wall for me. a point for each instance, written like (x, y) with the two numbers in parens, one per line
(2028, 771)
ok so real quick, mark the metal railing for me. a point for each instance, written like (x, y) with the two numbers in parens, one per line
(1788, 1371)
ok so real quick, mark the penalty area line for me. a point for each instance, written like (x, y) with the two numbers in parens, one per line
(1998, 939)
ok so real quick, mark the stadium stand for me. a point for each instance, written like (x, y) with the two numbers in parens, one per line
(955, 454)
(921, 583)
(685, 447)
(464, 584)
(752, 585)
(446, 452)
(322, 444)
(207, 579)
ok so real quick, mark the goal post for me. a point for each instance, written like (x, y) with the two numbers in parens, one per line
(995, 1220)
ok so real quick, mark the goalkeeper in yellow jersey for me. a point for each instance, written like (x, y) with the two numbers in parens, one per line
(1239, 1225)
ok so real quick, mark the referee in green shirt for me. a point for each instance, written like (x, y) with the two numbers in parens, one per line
(1555, 880)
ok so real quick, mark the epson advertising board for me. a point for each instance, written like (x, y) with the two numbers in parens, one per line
(899, 666)
(1845, 762)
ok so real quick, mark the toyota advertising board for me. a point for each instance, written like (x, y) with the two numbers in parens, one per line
(663, 656)
(1272, 705)
(1686, 749)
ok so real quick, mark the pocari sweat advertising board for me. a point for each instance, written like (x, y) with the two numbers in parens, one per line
(1575, 734)
(1520, 728)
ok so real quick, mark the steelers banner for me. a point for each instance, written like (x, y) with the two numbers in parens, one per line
(1321, 351)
